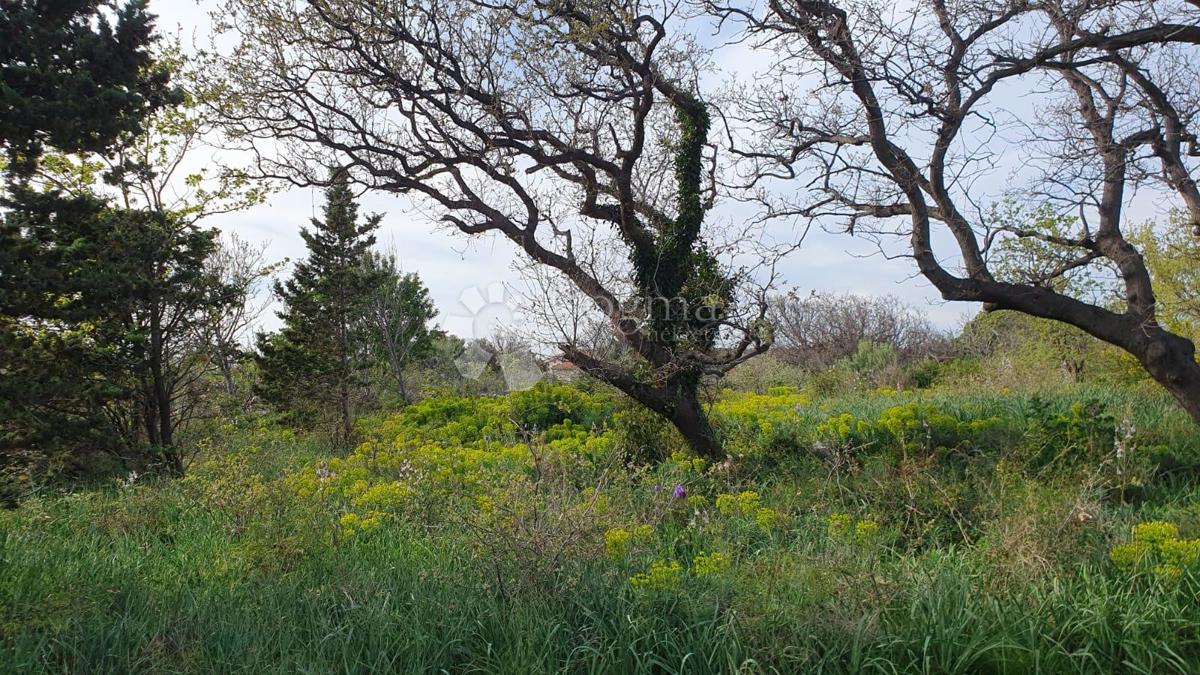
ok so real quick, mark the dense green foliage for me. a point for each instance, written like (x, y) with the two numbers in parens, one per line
(314, 365)
(887, 532)
(97, 301)
(398, 316)
(1172, 252)
(99, 307)
(74, 75)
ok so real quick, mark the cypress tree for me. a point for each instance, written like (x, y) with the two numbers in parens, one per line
(75, 75)
(313, 368)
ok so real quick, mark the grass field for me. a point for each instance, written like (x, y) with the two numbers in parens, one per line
(557, 530)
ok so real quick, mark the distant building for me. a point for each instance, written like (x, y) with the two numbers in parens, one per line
(563, 370)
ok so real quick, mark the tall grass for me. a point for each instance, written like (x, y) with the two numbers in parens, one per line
(229, 571)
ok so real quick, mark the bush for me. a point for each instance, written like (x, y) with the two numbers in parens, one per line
(770, 425)
(764, 372)
(642, 437)
(547, 404)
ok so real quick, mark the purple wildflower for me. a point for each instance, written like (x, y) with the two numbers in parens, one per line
(679, 492)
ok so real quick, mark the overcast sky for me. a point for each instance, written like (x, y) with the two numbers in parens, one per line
(456, 269)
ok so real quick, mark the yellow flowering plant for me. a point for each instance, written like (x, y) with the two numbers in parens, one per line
(354, 524)
(444, 453)
(846, 430)
(1156, 548)
(661, 576)
(761, 422)
(618, 541)
(709, 564)
(842, 527)
(838, 524)
(748, 505)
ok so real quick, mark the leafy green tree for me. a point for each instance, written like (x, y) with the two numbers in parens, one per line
(1039, 262)
(53, 398)
(1038, 343)
(152, 170)
(155, 167)
(107, 280)
(142, 277)
(319, 360)
(398, 316)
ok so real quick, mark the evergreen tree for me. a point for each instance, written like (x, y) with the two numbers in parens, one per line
(316, 365)
(73, 78)
(76, 76)
(96, 331)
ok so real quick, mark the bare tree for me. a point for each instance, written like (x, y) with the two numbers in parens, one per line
(549, 123)
(894, 119)
(816, 331)
(241, 269)
(555, 312)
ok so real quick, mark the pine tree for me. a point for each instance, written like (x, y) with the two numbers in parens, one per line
(313, 368)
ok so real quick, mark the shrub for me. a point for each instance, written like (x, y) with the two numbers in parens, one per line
(660, 577)
(1084, 432)
(709, 564)
(1156, 548)
(847, 431)
(547, 404)
(641, 437)
(770, 425)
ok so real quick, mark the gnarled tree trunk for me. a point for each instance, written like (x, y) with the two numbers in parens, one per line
(920, 103)
(1171, 361)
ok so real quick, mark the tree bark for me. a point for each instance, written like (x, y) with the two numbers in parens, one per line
(162, 398)
(693, 424)
(347, 422)
(402, 386)
(677, 401)
(1171, 361)
(226, 366)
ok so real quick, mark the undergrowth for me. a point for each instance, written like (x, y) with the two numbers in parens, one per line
(555, 530)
